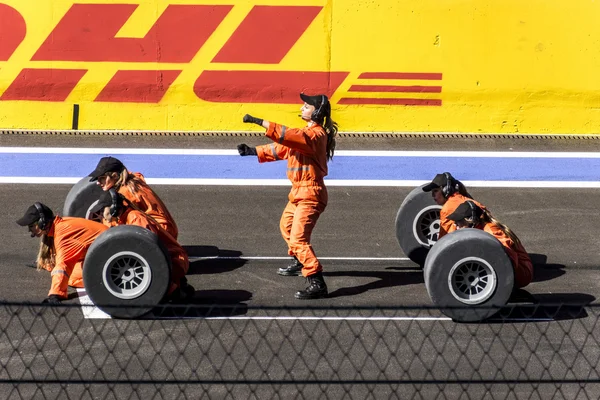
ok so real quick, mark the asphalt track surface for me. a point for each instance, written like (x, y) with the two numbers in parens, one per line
(232, 231)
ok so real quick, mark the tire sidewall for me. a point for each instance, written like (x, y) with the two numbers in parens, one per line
(455, 248)
(414, 205)
(130, 239)
(82, 196)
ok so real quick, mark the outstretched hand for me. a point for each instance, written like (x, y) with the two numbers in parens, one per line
(249, 119)
(246, 150)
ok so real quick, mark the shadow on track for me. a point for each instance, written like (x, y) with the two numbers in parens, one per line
(204, 304)
(212, 260)
(389, 278)
(542, 271)
(550, 306)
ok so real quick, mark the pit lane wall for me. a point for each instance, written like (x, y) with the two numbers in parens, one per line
(199, 65)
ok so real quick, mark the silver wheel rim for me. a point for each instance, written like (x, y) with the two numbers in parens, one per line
(426, 226)
(127, 275)
(97, 216)
(472, 280)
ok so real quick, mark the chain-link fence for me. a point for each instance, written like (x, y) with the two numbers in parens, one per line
(235, 352)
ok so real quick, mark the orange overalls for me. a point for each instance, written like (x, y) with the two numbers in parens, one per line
(72, 239)
(516, 252)
(452, 202)
(306, 152)
(180, 263)
(146, 200)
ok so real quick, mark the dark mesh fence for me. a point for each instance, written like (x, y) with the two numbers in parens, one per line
(528, 352)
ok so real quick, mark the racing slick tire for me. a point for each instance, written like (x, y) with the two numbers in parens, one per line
(126, 271)
(468, 271)
(81, 198)
(418, 224)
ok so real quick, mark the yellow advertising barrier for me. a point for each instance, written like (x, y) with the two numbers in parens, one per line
(413, 66)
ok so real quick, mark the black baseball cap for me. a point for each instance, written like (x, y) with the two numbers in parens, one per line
(106, 165)
(32, 215)
(105, 200)
(464, 211)
(439, 181)
(316, 100)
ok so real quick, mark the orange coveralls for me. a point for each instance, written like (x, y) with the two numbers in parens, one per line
(149, 202)
(521, 262)
(455, 200)
(72, 239)
(180, 263)
(306, 152)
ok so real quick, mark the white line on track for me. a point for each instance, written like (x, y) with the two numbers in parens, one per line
(291, 318)
(320, 258)
(341, 153)
(90, 311)
(329, 182)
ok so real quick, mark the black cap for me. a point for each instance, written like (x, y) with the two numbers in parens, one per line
(439, 181)
(464, 210)
(105, 200)
(105, 165)
(316, 100)
(32, 215)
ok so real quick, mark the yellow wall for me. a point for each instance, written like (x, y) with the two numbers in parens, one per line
(528, 66)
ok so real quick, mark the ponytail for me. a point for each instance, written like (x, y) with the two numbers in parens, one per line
(462, 189)
(127, 179)
(331, 128)
(46, 258)
(488, 217)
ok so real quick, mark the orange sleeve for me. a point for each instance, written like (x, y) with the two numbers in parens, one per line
(446, 224)
(60, 276)
(72, 238)
(301, 140)
(272, 152)
(139, 219)
(148, 201)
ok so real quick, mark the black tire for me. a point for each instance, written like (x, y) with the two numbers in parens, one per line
(418, 224)
(124, 251)
(470, 270)
(80, 199)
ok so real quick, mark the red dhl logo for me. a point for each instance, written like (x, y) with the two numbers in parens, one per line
(87, 32)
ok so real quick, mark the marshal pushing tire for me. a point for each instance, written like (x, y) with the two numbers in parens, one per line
(126, 272)
(418, 224)
(80, 200)
(468, 269)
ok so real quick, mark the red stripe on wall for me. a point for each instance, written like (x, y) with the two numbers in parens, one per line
(43, 84)
(397, 89)
(401, 75)
(87, 33)
(137, 86)
(391, 102)
(280, 87)
(267, 34)
(12, 31)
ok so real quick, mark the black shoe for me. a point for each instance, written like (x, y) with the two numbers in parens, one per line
(181, 295)
(172, 297)
(294, 269)
(317, 289)
(188, 291)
